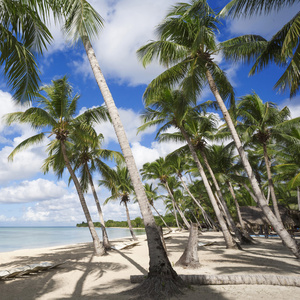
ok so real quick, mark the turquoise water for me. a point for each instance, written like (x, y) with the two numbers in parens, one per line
(15, 238)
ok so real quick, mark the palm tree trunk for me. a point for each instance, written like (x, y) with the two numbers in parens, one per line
(271, 184)
(185, 221)
(230, 243)
(207, 218)
(99, 248)
(106, 243)
(245, 233)
(173, 203)
(281, 231)
(129, 222)
(161, 218)
(160, 267)
(228, 216)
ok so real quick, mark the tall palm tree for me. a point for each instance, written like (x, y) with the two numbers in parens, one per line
(283, 49)
(171, 108)
(120, 186)
(88, 157)
(186, 42)
(55, 114)
(83, 23)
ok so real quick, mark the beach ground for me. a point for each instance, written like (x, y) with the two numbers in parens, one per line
(86, 277)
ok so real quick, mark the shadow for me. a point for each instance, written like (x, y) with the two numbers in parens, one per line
(139, 267)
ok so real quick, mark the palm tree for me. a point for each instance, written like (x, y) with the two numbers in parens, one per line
(87, 157)
(55, 113)
(186, 41)
(120, 186)
(159, 170)
(152, 196)
(83, 23)
(171, 108)
(283, 49)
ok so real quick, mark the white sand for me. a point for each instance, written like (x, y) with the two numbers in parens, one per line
(85, 276)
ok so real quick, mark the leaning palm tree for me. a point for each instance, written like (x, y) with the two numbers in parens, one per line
(186, 44)
(152, 196)
(88, 157)
(55, 114)
(283, 49)
(172, 108)
(83, 23)
(120, 186)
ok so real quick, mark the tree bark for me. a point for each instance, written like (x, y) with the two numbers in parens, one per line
(298, 197)
(271, 184)
(230, 243)
(106, 243)
(185, 221)
(189, 259)
(98, 247)
(160, 269)
(281, 231)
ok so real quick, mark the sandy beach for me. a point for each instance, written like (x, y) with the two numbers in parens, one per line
(85, 276)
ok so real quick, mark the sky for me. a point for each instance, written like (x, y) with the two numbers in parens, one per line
(30, 198)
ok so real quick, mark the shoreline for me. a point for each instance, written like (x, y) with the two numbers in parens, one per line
(85, 276)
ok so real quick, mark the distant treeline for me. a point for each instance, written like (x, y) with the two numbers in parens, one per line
(136, 223)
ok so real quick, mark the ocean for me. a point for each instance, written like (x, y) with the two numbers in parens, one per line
(16, 238)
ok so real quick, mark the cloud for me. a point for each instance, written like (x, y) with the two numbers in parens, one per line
(30, 191)
(293, 105)
(264, 25)
(128, 26)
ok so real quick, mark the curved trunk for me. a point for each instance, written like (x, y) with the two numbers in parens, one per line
(281, 231)
(271, 184)
(206, 216)
(129, 222)
(245, 233)
(185, 221)
(230, 243)
(222, 200)
(173, 203)
(99, 248)
(189, 259)
(160, 267)
(161, 218)
(106, 243)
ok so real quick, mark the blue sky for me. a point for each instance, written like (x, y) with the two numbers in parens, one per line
(30, 198)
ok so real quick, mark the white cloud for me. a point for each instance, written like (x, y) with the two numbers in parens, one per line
(264, 25)
(293, 105)
(128, 26)
(5, 219)
(30, 191)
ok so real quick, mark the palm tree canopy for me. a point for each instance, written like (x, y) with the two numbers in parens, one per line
(55, 116)
(236, 8)
(283, 49)
(186, 44)
(23, 35)
(118, 182)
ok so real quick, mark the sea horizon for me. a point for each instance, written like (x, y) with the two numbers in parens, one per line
(31, 237)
